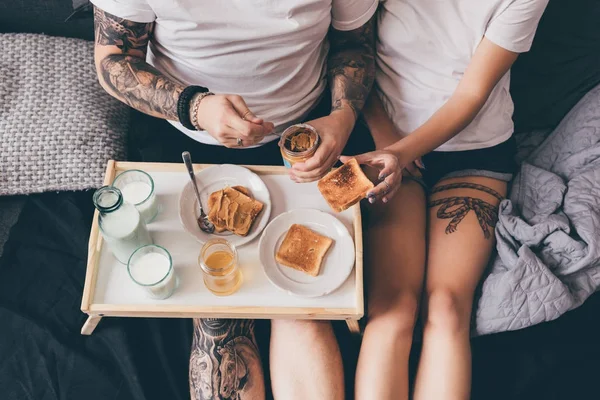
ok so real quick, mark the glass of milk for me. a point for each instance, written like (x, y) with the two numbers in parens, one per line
(138, 189)
(121, 225)
(151, 267)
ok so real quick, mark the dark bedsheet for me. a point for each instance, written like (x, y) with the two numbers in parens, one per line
(43, 356)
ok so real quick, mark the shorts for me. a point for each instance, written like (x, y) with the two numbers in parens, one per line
(495, 162)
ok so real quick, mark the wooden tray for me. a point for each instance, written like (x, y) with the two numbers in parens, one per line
(109, 291)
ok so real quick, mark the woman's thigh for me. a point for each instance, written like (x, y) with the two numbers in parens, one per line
(396, 250)
(462, 216)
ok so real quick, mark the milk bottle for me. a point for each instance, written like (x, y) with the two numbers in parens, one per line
(122, 227)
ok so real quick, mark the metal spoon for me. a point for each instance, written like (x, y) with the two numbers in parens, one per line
(203, 222)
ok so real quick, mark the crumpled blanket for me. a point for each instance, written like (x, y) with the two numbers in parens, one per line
(548, 233)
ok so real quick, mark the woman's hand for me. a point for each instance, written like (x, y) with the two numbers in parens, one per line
(228, 119)
(390, 173)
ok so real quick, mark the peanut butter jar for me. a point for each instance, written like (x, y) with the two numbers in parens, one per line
(298, 143)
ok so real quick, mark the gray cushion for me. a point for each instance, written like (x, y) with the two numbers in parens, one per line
(57, 125)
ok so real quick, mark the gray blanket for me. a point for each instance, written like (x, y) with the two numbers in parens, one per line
(548, 232)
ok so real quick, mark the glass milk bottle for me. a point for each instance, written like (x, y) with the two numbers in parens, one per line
(122, 227)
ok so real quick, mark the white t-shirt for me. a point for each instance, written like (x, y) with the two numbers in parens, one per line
(425, 47)
(271, 52)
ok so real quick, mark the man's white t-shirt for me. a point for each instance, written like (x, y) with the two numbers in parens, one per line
(425, 47)
(273, 53)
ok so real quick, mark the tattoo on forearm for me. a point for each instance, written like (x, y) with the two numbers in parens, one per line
(127, 75)
(351, 66)
(225, 362)
(457, 207)
(140, 85)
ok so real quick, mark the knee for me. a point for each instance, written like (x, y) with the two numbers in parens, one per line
(447, 311)
(396, 315)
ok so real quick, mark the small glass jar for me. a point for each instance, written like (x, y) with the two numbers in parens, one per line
(151, 267)
(219, 262)
(292, 154)
(121, 225)
(138, 189)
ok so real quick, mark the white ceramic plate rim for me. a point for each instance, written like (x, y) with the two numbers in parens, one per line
(307, 216)
(216, 170)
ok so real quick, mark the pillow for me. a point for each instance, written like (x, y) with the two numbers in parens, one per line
(58, 127)
(562, 66)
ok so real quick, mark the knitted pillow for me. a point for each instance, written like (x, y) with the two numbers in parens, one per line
(58, 127)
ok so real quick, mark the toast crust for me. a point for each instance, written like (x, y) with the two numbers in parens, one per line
(345, 186)
(303, 249)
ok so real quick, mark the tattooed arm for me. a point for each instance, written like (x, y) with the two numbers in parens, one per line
(120, 54)
(351, 67)
(351, 71)
(225, 362)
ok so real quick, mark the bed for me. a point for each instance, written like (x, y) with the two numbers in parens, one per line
(44, 237)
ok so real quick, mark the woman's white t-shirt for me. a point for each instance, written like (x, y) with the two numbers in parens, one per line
(425, 47)
(273, 53)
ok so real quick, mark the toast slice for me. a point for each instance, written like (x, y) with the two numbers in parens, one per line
(233, 209)
(215, 198)
(303, 249)
(345, 186)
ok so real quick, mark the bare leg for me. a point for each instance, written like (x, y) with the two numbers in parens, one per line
(461, 239)
(305, 361)
(396, 249)
(225, 363)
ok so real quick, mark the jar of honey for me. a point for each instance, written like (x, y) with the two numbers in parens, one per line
(298, 143)
(219, 262)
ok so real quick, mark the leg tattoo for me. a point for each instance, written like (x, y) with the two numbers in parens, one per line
(458, 207)
(225, 362)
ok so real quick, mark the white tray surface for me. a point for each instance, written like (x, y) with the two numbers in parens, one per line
(115, 287)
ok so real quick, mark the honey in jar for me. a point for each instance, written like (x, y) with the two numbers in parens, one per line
(298, 143)
(219, 262)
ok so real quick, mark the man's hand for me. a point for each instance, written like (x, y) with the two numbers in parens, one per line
(334, 131)
(227, 119)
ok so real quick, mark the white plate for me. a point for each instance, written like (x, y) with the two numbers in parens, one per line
(215, 178)
(337, 264)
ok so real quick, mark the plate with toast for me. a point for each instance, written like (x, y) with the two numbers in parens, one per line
(235, 200)
(307, 252)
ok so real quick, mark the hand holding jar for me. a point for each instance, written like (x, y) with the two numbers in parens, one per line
(334, 131)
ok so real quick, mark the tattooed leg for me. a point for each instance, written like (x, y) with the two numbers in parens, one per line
(457, 255)
(225, 362)
(457, 207)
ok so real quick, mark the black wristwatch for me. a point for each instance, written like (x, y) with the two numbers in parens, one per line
(183, 105)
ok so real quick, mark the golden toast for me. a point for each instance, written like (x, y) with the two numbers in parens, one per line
(303, 249)
(345, 186)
